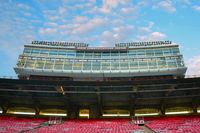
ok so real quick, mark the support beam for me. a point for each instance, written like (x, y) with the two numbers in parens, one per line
(4, 109)
(162, 109)
(37, 112)
(194, 110)
(99, 106)
(170, 90)
(132, 101)
(73, 111)
(94, 111)
(194, 105)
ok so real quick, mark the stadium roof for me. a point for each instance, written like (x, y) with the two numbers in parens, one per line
(128, 95)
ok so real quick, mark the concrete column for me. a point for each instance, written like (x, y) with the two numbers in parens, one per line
(162, 109)
(37, 112)
(95, 111)
(132, 112)
(194, 110)
(4, 109)
(73, 112)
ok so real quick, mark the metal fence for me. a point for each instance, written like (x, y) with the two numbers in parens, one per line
(16, 77)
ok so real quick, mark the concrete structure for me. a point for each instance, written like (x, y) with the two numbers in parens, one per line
(80, 62)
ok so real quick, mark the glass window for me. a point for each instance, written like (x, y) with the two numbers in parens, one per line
(106, 55)
(140, 53)
(87, 65)
(77, 65)
(123, 54)
(115, 65)
(44, 52)
(152, 63)
(158, 52)
(105, 65)
(97, 55)
(39, 64)
(68, 64)
(35, 51)
(96, 65)
(149, 52)
(132, 53)
(88, 55)
(167, 51)
(30, 63)
(49, 64)
(62, 53)
(162, 62)
(171, 62)
(21, 61)
(58, 65)
(180, 62)
(71, 53)
(53, 52)
(124, 65)
(27, 51)
(133, 64)
(80, 54)
(175, 51)
(114, 54)
(143, 64)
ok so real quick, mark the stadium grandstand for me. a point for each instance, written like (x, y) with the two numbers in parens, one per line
(135, 87)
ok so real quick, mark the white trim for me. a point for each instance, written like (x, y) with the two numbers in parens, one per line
(23, 113)
(105, 115)
(180, 112)
(149, 114)
(53, 114)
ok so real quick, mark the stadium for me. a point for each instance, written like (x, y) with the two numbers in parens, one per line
(70, 87)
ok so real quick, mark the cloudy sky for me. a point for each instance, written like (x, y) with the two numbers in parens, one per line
(99, 23)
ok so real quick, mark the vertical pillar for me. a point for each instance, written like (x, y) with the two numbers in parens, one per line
(73, 112)
(4, 109)
(37, 112)
(194, 110)
(94, 111)
(132, 101)
(162, 109)
(132, 112)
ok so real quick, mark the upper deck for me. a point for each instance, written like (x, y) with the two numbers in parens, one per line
(78, 60)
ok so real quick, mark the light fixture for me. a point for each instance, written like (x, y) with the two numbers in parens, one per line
(180, 112)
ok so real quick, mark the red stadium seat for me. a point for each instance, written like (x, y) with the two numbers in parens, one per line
(175, 124)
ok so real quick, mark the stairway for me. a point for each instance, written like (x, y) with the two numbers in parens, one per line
(147, 129)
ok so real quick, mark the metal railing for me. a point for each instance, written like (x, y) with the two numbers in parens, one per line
(16, 77)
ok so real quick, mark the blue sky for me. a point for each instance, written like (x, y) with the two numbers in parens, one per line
(99, 23)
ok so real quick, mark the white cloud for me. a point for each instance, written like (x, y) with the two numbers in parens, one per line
(23, 6)
(122, 33)
(197, 8)
(51, 15)
(186, 2)
(157, 36)
(167, 6)
(108, 5)
(193, 66)
(154, 36)
(51, 24)
(80, 19)
(47, 31)
(88, 26)
(62, 10)
(129, 10)
(146, 28)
